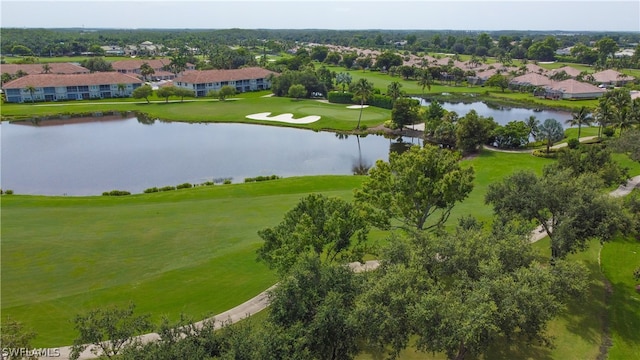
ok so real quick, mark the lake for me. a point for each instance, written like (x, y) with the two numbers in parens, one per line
(87, 156)
(502, 115)
(90, 155)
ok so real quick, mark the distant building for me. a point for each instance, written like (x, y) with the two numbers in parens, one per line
(160, 66)
(243, 80)
(55, 87)
(54, 68)
(113, 50)
(611, 77)
(573, 89)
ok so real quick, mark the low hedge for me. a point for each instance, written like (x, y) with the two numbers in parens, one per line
(340, 97)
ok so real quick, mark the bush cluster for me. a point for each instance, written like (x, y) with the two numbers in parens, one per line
(184, 186)
(116, 193)
(261, 178)
(381, 101)
(552, 154)
(6, 192)
(340, 97)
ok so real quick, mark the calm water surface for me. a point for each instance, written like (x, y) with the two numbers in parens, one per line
(86, 156)
(90, 156)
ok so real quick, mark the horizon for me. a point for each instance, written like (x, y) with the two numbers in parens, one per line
(418, 15)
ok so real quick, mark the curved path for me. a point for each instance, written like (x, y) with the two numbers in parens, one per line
(261, 301)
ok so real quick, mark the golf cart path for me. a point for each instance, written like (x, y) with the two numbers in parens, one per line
(261, 301)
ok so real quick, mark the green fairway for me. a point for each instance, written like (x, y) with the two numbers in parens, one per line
(190, 251)
(333, 116)
(619, 259)
(183, 251)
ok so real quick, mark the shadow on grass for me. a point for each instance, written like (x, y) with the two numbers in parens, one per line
(625, 314)
(586, 315)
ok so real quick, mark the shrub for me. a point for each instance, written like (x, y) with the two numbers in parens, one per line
(227, 181)
(184, 186)
(208, 183)
(8, 192)
(381, 101)
(608, 131)
(339, 97)
(261, 178)
(573, 143)
(167, 188)
(552, 154)
(116, 193)
(151, 190)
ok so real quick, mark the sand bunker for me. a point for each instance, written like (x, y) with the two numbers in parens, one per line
(287, 118)
(357, 106)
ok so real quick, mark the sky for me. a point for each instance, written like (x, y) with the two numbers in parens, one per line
(567, 15)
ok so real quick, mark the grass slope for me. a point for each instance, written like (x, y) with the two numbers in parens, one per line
(189, 251)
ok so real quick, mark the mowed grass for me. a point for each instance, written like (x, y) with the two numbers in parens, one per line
(333, 116)
(189, 251)
(619, 259)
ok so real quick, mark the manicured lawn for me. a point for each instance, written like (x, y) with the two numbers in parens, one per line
(190, 251)
(619, 259)
(187, 251)
(333, 116)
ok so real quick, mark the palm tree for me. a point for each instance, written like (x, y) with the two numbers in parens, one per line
(533, 123)
(603, 114)
(425, 80)
(550, 131)
(31, 89)
(121, 88)
(146, 70)
(580, 117)
(362, 90)
(394, 90)
(46, 68)
(343, 79)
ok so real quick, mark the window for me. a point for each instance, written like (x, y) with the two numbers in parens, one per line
(49, 90)
(83, 88)
(105, 87)
(72, 89)
(13, 92)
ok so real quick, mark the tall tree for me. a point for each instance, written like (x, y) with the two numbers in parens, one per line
(146, 70)
(580, 117)
(328, 228)
(569, 209)
(343, 79)
(362, 91)
(415, 186)
(142, 92)
(532, 125)
(394, 90)
(31, 90)
(550, 131)
(425, 80)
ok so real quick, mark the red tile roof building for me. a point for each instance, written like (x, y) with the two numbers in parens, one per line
(53, 87)
(573, 89)
(245, 79)
(612, 77)
(54, 68)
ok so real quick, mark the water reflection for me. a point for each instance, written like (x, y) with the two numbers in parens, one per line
(93, 155)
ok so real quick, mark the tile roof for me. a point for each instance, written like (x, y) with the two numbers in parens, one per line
(571, 86)
(611, 76)
(56, 80)
(56, 68)
(573, 72)
(209, 76)
(531, 79)
(135, 64)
